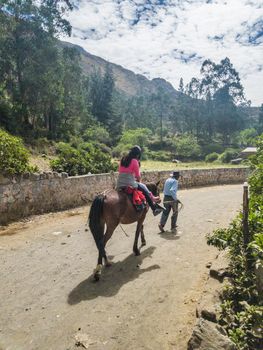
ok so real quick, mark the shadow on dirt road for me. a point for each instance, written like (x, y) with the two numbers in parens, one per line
(112, 279)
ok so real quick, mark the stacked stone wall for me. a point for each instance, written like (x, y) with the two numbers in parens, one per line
(30, 194)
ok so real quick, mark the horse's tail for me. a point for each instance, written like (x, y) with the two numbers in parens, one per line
(96, 223)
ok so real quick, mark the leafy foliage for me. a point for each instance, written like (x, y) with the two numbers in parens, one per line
(83, 160)
(242, 310)
(131, 137)
(228, 155)
(14, 158)
(211, 157)
(187, 147)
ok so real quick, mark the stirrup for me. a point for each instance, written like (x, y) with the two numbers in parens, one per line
(157, 211)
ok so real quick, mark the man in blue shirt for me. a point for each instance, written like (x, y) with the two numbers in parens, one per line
(170, 201)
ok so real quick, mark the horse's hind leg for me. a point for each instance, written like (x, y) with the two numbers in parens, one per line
(102, 254)
(109, 232)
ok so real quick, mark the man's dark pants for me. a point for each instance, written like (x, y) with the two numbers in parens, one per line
(169, 204)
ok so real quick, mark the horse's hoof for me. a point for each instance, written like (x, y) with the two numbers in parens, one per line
(97, 272)
(137, 252)
(143, 243)
(96, 277)
(108, 264)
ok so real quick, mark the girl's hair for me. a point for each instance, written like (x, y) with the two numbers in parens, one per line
(135, 153)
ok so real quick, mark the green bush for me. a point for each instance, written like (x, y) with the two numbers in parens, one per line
(97, 133)
(162, 156)
(86, 159)
(242, 310)
(138, 136)
(228, 155)
(211, 148)
(211, 157)
(14, 157)
(187, 148)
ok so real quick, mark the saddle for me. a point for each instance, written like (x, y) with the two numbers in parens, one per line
(136, 197)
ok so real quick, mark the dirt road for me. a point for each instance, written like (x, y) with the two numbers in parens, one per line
(148, 302)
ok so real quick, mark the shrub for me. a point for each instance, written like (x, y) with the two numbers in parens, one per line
(138, 136)
(211, 148)
(242, 310)
(97, 133)
(228, 155)
(159, 155)
(86, 159)
(14, 157)
(211, 157)
(187, 148)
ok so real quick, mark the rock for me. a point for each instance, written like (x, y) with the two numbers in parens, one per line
(4, 180)
(34, 176)
(64, 175)
(43, 176)
(209, 336)
(219, 269)
(83, 340)
(26, 176)
(56, 175)
(56, 233)
(208, 306)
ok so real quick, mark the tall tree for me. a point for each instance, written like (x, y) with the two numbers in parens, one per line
(28, 50)
(181, 85)
(260, 119)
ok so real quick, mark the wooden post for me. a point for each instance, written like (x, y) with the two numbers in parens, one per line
(246, 236)
(245, 215)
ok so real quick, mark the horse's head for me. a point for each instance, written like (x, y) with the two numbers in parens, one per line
(153, 187)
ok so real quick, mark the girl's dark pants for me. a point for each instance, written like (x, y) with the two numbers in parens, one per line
(169, 204)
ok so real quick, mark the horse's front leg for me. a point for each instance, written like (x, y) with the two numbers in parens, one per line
(137, 233)
(143, 237)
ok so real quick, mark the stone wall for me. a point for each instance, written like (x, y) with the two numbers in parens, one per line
(40, 193)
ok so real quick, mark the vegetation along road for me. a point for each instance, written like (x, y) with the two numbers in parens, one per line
(48, 300)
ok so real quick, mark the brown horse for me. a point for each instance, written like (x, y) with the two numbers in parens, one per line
(113, 208)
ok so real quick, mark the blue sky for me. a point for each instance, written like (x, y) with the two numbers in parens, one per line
(171, 38)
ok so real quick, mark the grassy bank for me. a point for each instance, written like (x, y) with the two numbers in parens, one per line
(157, 165)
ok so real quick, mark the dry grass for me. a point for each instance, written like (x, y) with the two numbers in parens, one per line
(42, 163)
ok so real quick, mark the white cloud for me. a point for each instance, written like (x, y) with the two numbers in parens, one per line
(171, 38)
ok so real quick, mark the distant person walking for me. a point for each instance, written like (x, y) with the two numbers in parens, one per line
(170, 201)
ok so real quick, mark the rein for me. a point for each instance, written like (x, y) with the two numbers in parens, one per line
(179, 202)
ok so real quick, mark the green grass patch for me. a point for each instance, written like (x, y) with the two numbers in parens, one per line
(158, 165)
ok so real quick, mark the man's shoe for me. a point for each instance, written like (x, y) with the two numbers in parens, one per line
(161, 228)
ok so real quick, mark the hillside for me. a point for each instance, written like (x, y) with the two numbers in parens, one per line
(126, 81)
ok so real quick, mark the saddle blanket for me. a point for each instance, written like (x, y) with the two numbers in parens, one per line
(137, 197)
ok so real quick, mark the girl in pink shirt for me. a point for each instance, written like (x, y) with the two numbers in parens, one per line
(129, 175)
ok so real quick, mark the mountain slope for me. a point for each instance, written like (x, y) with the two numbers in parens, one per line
(126, 81)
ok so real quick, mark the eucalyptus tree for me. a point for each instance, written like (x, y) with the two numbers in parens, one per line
(221, 89)
(28, 51)
(260, 119)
